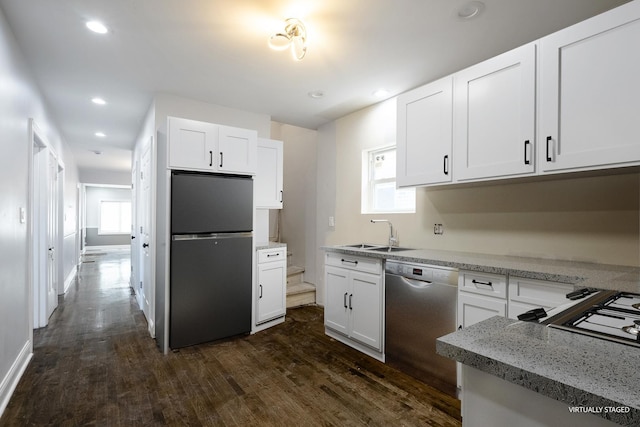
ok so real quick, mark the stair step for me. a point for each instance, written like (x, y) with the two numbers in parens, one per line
(291, 270)
(300, 294)
(300, 288)
(295, 275)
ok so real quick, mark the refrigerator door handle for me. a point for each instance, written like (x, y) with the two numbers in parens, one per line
(211, 236)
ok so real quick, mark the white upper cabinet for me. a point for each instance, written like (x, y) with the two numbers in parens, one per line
(424, 134)
(269, 175)
(192, 144)
(494, 114)
(589, 93)
(201, 146)
(237, 150)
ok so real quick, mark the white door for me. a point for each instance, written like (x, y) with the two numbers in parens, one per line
(336, 310)
(192, 144)
(145, 237)
(52, 235)
(589, 93)
(425, 118)
(269, 175)
(237, 150)
(365, 305)
(135, 255)
(272, 290)
(494, 105)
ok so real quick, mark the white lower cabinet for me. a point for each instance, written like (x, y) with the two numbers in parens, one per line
(271, 292)
(354, 300)
(527, 294)
(480, 297)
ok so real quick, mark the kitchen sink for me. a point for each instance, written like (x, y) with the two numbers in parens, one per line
(362, 246)
(390, 249)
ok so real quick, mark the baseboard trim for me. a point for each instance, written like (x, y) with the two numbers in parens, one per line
(10, 381)
(88, 249)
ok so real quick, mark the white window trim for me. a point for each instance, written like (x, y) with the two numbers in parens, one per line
(101, 232)
(367, 184)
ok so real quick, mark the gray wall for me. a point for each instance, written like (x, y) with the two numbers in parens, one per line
(20, 100)
(93, 196)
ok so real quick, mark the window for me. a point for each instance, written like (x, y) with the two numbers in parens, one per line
(115, 217)
(379, 193)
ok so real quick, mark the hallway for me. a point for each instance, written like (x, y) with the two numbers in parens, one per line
(95, 364)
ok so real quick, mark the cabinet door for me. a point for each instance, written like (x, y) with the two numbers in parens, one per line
(191, 144)
(495, 116)
(425, 118)
(336, 310)
(237, 150)
(589, 93)
(475, 308)
(365, 305)
(269, 175)
(271, 291)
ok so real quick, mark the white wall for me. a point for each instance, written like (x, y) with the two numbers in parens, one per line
(298, 216)
(593, 219)
(20, 99)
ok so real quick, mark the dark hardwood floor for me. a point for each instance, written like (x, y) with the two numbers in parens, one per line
(95, 364)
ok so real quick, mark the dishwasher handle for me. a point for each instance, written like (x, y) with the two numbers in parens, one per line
(417, 284)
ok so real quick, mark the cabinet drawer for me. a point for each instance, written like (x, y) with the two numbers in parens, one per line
(271, 255)
(364, 264)
(540, 293)
(494, 285)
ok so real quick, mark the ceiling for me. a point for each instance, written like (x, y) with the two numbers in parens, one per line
(216, 51)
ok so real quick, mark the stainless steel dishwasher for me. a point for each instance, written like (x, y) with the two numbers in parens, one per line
(420, 305)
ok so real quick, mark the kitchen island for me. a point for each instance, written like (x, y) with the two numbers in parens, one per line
(586, 376)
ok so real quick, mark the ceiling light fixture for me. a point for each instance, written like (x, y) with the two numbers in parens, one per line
(100, 134)
(381, 93)
(98, 101)
(294, 36)
(97, 27)
(470, 10)
(316, 94)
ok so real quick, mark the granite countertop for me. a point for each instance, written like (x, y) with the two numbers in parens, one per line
(269, 245)
(572, 368)
(582, 274)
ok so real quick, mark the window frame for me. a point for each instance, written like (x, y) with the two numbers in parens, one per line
(103, 232)
(369, 183)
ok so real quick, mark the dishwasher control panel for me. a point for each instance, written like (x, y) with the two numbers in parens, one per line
(425, 273)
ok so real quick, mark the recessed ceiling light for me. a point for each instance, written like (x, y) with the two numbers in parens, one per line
(381, 93)
(470, 10)
(98, 101)
(316, 94)
(97, 27)
(100, 134)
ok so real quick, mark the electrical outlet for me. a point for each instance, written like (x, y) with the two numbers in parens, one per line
(332, 221)
(438, 229)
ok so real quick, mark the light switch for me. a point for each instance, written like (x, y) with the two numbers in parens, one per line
(23, 216)
(332, 221)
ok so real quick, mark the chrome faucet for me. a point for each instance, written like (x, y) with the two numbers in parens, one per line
(393, 238)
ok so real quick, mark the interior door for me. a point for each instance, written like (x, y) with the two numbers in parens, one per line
(52, 235)
(145, 235)
(135, 255)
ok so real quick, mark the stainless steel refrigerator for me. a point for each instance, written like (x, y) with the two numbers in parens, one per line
(211, 257)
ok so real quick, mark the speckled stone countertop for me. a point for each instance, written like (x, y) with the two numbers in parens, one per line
(581, 274)
(572, 368)
(270, 245)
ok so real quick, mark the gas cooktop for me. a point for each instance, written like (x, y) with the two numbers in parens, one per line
(610, 315)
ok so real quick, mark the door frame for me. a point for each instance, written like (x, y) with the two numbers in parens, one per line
(37, 216)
